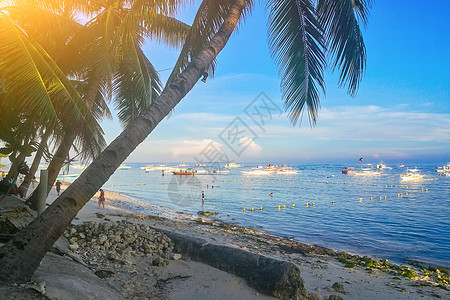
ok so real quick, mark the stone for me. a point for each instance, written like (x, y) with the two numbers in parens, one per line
(176, 256)
(158, 262)
(74, 247)
(339, 287)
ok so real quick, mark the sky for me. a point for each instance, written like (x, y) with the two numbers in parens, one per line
(401, 112)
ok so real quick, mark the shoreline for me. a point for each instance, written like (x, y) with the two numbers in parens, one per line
(325, 272)
(212, 226)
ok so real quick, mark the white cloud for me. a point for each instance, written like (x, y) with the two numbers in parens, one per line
(252, 149)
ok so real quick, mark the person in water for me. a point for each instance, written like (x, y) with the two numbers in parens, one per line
(271, 194)
(101, 199)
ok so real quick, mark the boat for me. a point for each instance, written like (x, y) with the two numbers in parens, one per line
(400, 165)
(257, 173)
(221, 171)
(201, 171)
(184, 172)
(382, 166)
(183, 165)
(367, 171)
(123, 167)
(412, 175)
(443, 169)
(232, 165)
(199, 165)
(348, 170)
(287, 171)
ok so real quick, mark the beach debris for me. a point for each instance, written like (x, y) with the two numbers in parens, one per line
(176, 256)
(206, 213)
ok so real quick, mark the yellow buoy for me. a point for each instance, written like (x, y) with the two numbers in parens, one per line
(332, 202)
(253, 208)
(406, 194)
(293, 205)
(260, 208)
(284, 206)
(384, 197)
(380, 197)
(307, 204)
(279, 207)
(360, 199)
(371, 198)
(243, 210)
(314, 204)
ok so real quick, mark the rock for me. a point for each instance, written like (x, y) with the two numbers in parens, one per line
(40, 287)
(315, 297)
(339, 287)
(104, 273)
(74, 247)
(176, 256)
(73, 231)
(335, 297)
(159, 262)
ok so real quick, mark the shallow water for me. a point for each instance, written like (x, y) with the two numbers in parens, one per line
(399, 228)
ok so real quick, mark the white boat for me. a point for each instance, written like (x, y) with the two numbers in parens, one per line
(257, 173)
(221, 171)
(443, 169)
(367, 171)
(412, 175)
(201, 171)
(232, 165)
(287, 172)
(124, 167)
(182, 165)
(382, 166)
(199, 165)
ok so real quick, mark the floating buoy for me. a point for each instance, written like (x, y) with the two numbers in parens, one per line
(284, 206)
(307, 204)
(243, 210)
(253, 209)
(313, 204)
(293, 205)
(406, 194)
(380, 197)
(371, 198)
(260, 208)
(332, 202)
(384, 197)
(360, 199)
(279, 207)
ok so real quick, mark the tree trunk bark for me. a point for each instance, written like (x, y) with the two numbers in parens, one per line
(35, 165)
(20, 257)
(13, 171)
(54, 167)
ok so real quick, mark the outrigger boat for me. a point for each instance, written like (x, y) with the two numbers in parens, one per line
(443, 169)
(367, 171)
(184, 172)
(348, 170)
(232, 165)
(382, 166)
(412, 175)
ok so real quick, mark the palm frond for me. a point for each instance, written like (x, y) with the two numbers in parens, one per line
(344, 38)
(136, 83)
(208, 19)
(296, 42)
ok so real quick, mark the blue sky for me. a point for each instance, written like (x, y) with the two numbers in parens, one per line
(400, 114)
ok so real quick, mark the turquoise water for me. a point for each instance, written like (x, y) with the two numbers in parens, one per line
(399, 228)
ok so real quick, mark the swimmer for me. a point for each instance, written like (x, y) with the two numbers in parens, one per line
(271, 194)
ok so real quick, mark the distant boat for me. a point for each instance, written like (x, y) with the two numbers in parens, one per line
(199, 165)
(443, 169)
(124, 167)
(382, 166)
(257, 173)
(367, 171)
(412, 175)
(184, 172)
(400, 165)
(221, 171)
(287, 172)
(201, 171)
(348, 170)
(232, 165)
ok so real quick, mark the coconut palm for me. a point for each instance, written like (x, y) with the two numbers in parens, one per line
(302, 34)
(109, 45)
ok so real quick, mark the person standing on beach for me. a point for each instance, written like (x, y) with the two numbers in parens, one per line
(101, 199)
(203, 197)
(58, 186)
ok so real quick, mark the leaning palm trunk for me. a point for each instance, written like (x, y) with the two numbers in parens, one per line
(35, 165)
(21, 256)
(55, 166)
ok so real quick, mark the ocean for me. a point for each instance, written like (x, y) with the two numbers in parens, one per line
(411, 221)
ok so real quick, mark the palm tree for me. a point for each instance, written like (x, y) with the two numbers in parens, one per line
(109, 45)
(299, 34)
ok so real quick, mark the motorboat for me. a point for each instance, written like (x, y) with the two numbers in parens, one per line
(184, 172)
(257, 173)
(221, 171)
(400, 165)
(200, 165)
(348, 170)
(367, 171)
(201, 171)
(287, 171)
(412, 175)
(382, 166)
(123, 167)
(232, 165)
(443, 169)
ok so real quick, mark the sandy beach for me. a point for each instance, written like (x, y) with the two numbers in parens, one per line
(324, 272)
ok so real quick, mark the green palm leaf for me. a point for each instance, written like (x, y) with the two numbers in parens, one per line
(296, 42)
(344, 38)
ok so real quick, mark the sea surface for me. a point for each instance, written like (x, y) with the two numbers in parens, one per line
(411, 221)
